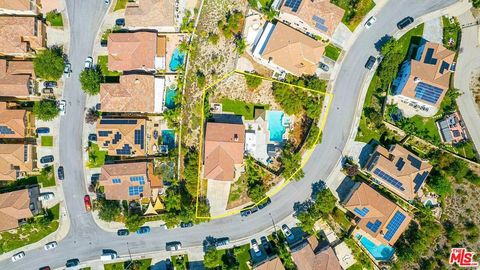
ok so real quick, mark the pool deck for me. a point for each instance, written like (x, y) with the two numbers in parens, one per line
(371, 239)
(173, 40)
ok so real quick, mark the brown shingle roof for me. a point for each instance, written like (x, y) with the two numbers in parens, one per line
(124, 172)
(323, 9)
(274, 264)
(13, 160)
(12, 122)
(23, 5)
(306, 258)
(149, 13)
(14, 205)
(293, 50)
(379, 209)
(20, 34)
(116, 134)
(15, 77)
(132, 51)
(224, 147)
(134, 93)
(403, 166)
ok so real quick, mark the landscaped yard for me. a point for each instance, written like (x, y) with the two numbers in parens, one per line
(450, 33)
(36, 229)
(247, 110)
(47, 140)
(55, 18)
(332, 52)
(141, 265)
(243, 256)
(355, 11)
(180, 262)
(121, 4)
(102, 61)
(47, 177)
(96, 157)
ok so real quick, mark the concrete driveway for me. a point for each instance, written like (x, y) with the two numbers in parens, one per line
(217, 195)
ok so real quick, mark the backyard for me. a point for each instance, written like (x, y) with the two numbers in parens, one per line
(141, 265)
(355, 11)
(451, 31)
(239, 107)
(96, 157)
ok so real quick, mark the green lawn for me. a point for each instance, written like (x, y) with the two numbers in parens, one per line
(47, 177)
(102, 61)
(355, 11)
(121, 4)
(96, 157)
(241, 108)
(36, 229)
(332, 52)
(243, 256)
(180, 262)
(142, 265)
(450, 33)
(47, 140)
(55, 18)
(341, 218)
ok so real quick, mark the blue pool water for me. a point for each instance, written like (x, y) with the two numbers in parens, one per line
(177, 60)
(380, 252)
(168, 138)
(274, 119)
(170, 98)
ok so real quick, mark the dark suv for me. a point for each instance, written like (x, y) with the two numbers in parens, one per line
(404, 22)
(370, 62)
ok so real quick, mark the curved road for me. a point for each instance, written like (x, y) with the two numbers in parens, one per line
(85, 239)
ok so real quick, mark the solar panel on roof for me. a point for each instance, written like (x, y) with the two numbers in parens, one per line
(318, 19)
(135, 190)
(444, 66)
(429, 57)
(419, 180)
(118, 121)
(393, 225)
(361, 212)
(6, 130)
(414, 161)
(320, 23)
(321, 27)
(374, 226)
(116, 180)
(428, 92)
(400, 164)
(293, 4)
(104, 133)
(126, 150)
(139, 179)
(392, 181)
(117, 137)
(139, 136)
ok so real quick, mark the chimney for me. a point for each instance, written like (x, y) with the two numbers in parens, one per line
(235, 137)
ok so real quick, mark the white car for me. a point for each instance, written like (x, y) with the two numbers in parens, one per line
(89, 63)
(370, 22)
(18, 256)
(107, 2)
(50, 245)
(286, 231)
(46, 196)
(62, 106)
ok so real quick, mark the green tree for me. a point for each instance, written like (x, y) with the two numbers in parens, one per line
(253, 82)
(212, 258)
(287, 98)
(201, 81)
(134, 221)
(241, 45)
(108, 210)
(325, 202)
(213, 38)
(49, 64)
(90, 80)
(291, 162)
(45, 109)
(440, 184)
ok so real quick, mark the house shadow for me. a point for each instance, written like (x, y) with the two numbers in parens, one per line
(344, 189)
(227, 118)
(197, 265)
(162, 265)
(316, 188)
(365, 153)
(379, 44)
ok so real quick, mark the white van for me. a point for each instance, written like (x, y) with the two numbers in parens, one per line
(108, 256)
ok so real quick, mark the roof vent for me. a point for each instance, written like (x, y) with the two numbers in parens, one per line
(235, 137)
(137, 81)
(417, 80)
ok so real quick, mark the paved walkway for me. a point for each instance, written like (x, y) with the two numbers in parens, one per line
(433, 30)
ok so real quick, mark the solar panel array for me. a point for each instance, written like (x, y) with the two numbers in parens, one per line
(118, 122)
(116, 180)
(361, 212)
(6, 130)
(135, 190)
(429, 57)
(139, 179)
(320, 23)
(393, 225)
(392, 181)
(414, 161)
(140, 136)
(293, 4)
(428, 92)
(116, 138)
(374, 226)
(126, 150)
(444, 66)
(418, 181)
(400, 163)
(103, 133)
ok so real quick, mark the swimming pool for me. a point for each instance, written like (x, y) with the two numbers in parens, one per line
(170, 98)
(168, 138)
(275, 126)
(177, 60)
(380, 252)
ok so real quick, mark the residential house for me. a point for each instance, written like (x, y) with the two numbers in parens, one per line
(125, 181)
(122, 136)
(17, 206)
(21, 35)
(19, 6)
(423, 81)
(150, 14)
(309, 256)
(16, 78)
(376, 216)
(16, 160)
(135, 51)
(452, 128)
(313, 17)
(15, 123)
(135, 93)
(285, 49)
(399, 170)
(273, 264)
(224, 147)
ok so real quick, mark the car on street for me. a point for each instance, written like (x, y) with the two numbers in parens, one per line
(120, 22)
(186, 224)
(255, 248)
(46, 196)
(62, 106)
(107, 2)
(172, 246)
(286, 231)
(123, 232)
(60, 173)
(370, 62)
(245, 213)
(46, 159)
(72, 263)
(67, 70)
(223, 241)
(43, 130)
(51, 245)
(44, 268)
(49, 84)
(143, 230)
(89, 63)
(18, 256)
(87, 202)
(47, 90)
(108, 255)
(405, 22)
(370, 22)
(323, 67)
(264, 203)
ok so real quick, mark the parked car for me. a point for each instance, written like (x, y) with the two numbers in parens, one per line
(323, 66)
(245, 213)
(172, 246)
(108, 255)
(43, 130)
(265, 244)
(186, 224)
(50, 245)
(223, 241)
(62, 106)
(370, 62)
(107, 2)
(143, 230)
(286, 231)
(255, 248)
(264, 203)
(92, 137)
(18, 256)
(46, 196)
(123, 232)
(49, 84)
(72, 263)
(120, 22)
(47, 90)
(405, 22)
(44, 268)
(67, 70)
(87, 202)
(89, 63)
(46, 159)
(94, 178)
(60, 173)
(370, 22)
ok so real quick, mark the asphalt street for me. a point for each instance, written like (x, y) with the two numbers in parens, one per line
(85, 239)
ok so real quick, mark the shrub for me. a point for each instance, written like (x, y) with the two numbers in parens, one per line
(49, 64)
(253, 82)
(90, 80)
(45, 109)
